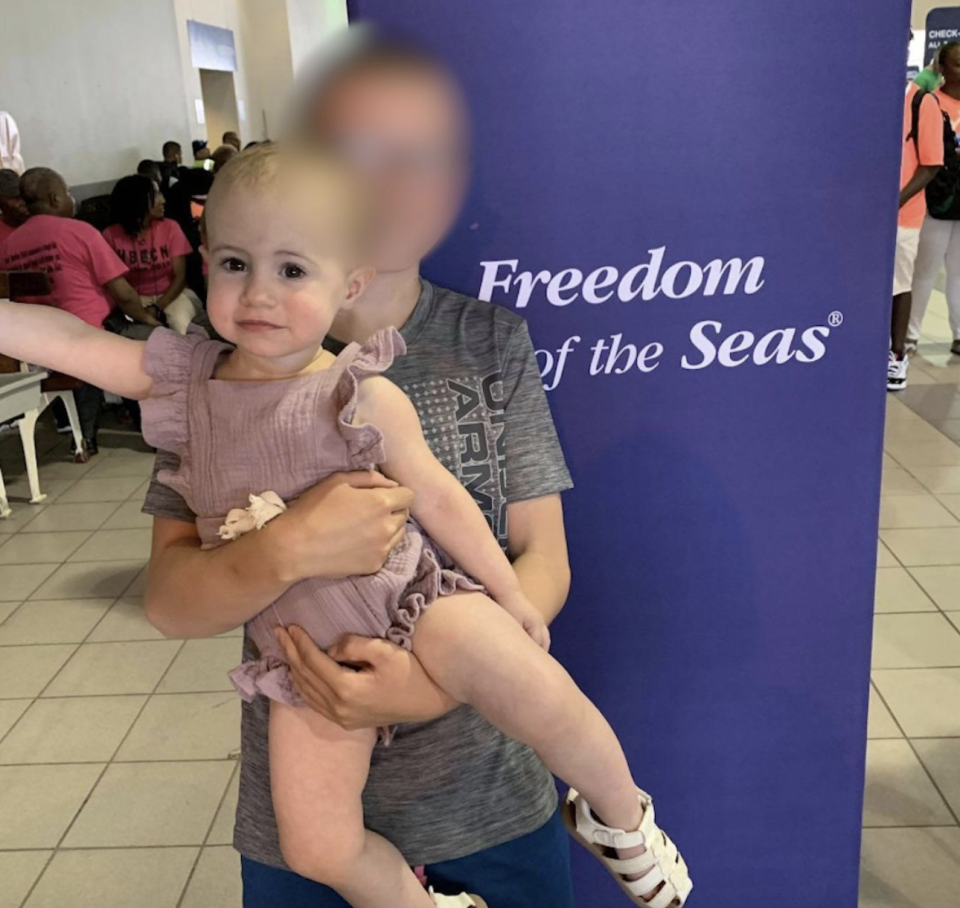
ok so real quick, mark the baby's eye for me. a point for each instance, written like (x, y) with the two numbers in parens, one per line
(233, 264)
(292, 271)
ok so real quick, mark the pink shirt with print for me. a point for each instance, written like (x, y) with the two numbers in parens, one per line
(77, 260)
(149, 256)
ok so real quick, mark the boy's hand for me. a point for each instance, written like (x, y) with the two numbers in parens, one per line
(529, 617)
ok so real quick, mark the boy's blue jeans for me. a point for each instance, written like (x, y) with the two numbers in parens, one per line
(530, 872)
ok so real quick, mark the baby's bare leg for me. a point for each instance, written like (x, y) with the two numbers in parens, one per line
(317, 775)
(479, 654)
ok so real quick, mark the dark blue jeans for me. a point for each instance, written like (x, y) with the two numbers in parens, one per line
(530, 872)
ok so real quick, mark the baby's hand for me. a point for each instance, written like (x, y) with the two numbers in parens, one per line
(529, 618)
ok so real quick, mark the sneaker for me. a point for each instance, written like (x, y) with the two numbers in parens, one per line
(10, 426)
(910, 347)
(65, 430)
(897, 372)
(955, 347)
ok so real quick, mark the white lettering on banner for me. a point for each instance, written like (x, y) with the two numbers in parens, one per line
(646, 280)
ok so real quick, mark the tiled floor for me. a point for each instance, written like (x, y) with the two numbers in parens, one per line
(911, 836)
(118, 771)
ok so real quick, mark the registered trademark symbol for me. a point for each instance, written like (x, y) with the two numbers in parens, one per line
(835, 319)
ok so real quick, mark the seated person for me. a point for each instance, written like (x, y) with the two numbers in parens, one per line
(201, 155)
(86, 276)
(222, 155)
(154, 248)
(171, 165)
(13, 211)
(149, 169)
(231, 138)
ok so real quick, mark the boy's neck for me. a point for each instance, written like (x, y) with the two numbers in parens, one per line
(389, 301)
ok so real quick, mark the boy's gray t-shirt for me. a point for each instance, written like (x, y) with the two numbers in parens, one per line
(456, 785)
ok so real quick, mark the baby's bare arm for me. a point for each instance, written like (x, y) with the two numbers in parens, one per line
(48, 337)
(443, 507)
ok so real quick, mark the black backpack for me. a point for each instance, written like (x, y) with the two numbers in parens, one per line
(943, 191)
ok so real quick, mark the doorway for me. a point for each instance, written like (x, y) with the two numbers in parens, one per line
(219, 104)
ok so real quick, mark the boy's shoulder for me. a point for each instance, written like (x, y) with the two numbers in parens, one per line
(451, 307)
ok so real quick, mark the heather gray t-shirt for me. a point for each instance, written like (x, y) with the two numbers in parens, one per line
(456, 785)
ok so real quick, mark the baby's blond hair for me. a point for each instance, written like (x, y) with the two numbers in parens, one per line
(312, 172)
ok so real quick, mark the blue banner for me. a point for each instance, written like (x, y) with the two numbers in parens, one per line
(697, 214)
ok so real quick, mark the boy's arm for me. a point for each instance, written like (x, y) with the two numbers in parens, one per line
(441, 504)
(48, 337)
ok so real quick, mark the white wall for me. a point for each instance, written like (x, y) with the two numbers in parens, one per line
(311, 22)
(266, 45)
(92, 93)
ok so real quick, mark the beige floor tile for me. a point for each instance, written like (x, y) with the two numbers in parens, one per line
(37, 803)
(925, 701)
(117, 488)
(912, 431)
(910, 868)
(924, 454)
(138, 588)
(10, 711)
(898, 482)
(21, 516)
(121, 878)
(910, 511)
(129, 517)
(57, 621)
(133, 465)
(923, 548)
(140, 493)
(942, 759)
(889, 463)
(885, 557)
(125, 621)
(184, 727)
(897, 591)
(61, 517)
(941, 480)
(65, 469)
(71, 730)
(18, 581)
(41, 548)
(151, 804)
(898, 791)
(115, 545)
(19, 871)
(951, 503)
(880, 721)
(202, 665)
(27, 670)
(942, 584)
(925, 640)
(114, 668)
(221, 833)
(19, 490)
(91, 580)
(7, 609)
(216, 881)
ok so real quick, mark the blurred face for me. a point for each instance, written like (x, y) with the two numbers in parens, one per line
(405, 133)
(13, 209)
(951, 66)
(278, 272)
(156, 210)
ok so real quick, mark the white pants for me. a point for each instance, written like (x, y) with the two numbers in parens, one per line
(939, 246)
(181, 312)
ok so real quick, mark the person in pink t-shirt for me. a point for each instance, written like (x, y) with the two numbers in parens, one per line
(154, 248)
(13, 211)
(86, 276)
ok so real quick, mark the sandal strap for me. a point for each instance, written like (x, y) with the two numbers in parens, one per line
(452, 901)
(609, 836)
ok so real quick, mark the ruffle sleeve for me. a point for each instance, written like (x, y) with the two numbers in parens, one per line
(376, 355)
(168, 360)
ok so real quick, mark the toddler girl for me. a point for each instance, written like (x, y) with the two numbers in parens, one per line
(258, 423)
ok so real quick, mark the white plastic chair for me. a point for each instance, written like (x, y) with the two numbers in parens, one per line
(20, 399)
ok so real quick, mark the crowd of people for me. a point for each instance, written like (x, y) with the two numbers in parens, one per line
(142, 271)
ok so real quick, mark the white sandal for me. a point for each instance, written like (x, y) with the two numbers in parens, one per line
(456, 901)
(661, 859)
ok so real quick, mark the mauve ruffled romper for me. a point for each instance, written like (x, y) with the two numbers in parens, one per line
(238, 438)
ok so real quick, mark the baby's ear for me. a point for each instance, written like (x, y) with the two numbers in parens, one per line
(357, 281)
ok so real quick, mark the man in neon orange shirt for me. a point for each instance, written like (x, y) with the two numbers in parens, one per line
(922, 158)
